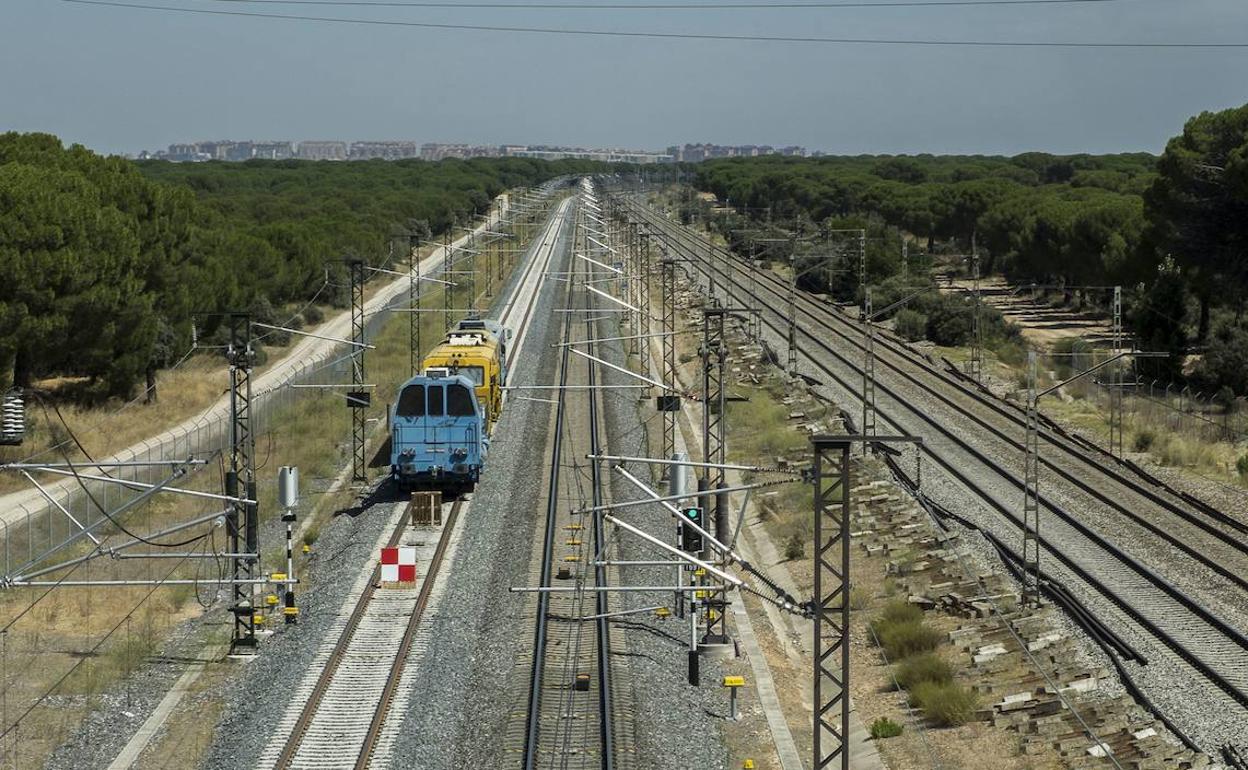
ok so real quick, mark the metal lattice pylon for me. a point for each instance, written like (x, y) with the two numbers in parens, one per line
(755, 318)
(643, 304)
(359, 415)
(862, 260)
(448, 265)
(714, 440)
(413, 303)
(868, 366)
(977, 332)
(668, 278)
(1116, 416)
(1031, 498)
(791, 309)
(243, 518)
(831, 641)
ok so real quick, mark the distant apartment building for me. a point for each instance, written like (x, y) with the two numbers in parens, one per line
(438, 151)
(184, 153)
(273, 150)
(383, 150)
(696, 153)
(605, 156)
(322, 151)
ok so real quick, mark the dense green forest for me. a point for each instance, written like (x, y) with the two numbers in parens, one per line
(106, 261)
(1173, 231)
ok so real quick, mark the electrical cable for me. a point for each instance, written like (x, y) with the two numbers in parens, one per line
(736, 38)
(90, 653)
(293, 315)
(710, 6)
(91, 496)
(39, 453)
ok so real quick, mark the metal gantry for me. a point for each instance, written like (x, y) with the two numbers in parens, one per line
(242, 520)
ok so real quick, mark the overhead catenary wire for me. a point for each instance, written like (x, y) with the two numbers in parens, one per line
(653, 35)
(645, 6)
(91, 653)
(91, 496)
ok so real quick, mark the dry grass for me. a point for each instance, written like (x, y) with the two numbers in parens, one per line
(759, 432)
(107, 428)
(1168, 447)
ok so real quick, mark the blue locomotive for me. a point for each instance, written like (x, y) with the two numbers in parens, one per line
(441, 422)
(437, 432)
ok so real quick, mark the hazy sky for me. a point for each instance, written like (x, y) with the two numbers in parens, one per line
(122, 79)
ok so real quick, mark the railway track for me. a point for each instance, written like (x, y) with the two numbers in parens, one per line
(570, 701)
(969, 436)
(342, 719)
(339, 716)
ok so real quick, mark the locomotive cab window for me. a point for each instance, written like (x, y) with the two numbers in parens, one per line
(435, 400)
(459, 401)
(474, 373)
(412, 401)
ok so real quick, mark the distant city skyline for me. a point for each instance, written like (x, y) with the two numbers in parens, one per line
(399, 149)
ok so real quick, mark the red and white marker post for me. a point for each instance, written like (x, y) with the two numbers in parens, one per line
(398, 565)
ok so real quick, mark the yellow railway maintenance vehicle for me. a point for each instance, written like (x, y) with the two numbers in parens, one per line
(477, 349)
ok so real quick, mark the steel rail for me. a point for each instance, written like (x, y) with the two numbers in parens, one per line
(1122, 603)
(1165, 534)
(405, 646)
(548, 548)
(313, 703)
(602, 623)
(311, 706)
(821, 312)
(545, 241)
(996, 405)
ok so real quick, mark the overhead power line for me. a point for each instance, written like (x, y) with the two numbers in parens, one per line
(674, 35)
(680, 6)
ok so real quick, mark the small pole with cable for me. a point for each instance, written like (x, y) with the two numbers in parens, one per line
(288, 499)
